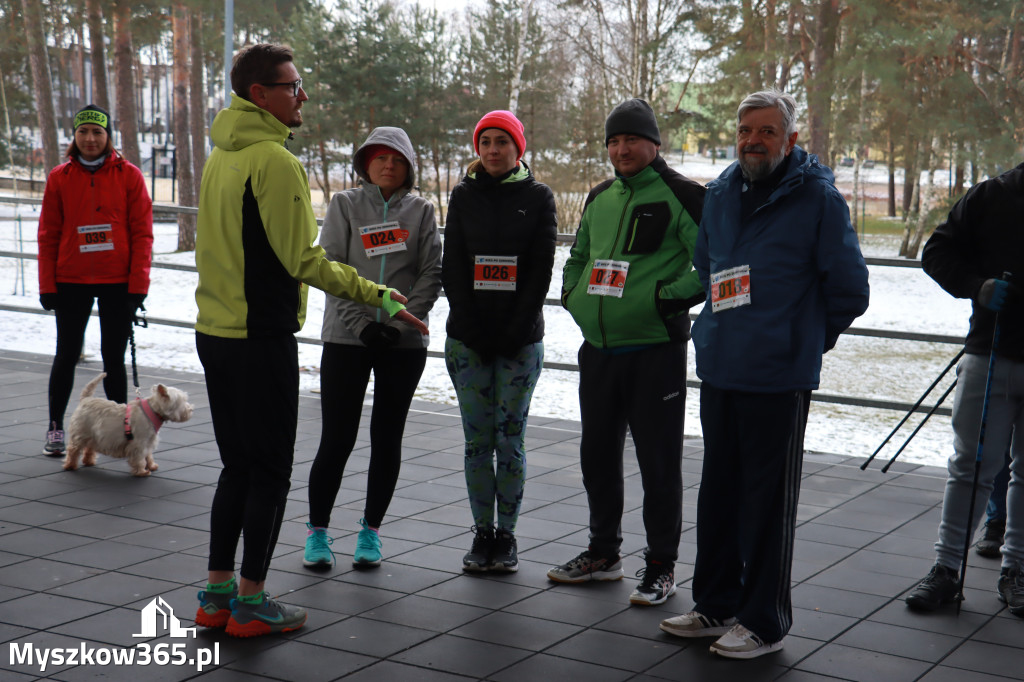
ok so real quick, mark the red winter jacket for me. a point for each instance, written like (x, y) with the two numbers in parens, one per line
(96, 228)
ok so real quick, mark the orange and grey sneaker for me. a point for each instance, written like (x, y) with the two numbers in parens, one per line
(263, 618)
(214, 608)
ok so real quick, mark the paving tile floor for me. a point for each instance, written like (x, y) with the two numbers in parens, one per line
(83, 553)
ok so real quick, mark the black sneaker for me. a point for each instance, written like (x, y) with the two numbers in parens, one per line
(478, 558)
(940, 586)
(1011, 588)
(988, 546)
(54, 441)
(657, 583)
(504, 557)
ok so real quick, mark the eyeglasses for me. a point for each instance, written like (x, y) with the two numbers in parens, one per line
(295, 86)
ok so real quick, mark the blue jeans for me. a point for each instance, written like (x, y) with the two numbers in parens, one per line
(996, 509)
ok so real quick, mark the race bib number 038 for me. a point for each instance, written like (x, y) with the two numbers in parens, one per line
(730, 288)
(497, 273)
(608, 278)
(95, 238)
(383, 238)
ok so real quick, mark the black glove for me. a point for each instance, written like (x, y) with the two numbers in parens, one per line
(49, 301)
(135, 302)
(378, 335)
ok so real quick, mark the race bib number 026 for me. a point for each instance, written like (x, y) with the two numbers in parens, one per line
(383, 238)
(608, 278)
(497, 273)
(730, 288)
(95, 238)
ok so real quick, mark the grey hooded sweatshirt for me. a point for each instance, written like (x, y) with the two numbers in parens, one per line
(414, 271)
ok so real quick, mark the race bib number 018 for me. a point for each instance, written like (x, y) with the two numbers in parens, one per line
(730, 288)
(608, 278)
(95, 238)
(383, 238)
(496, 273)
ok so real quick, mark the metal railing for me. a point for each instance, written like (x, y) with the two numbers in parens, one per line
(853, 401)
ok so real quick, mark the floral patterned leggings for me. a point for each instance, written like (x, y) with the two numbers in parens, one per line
(494, 398)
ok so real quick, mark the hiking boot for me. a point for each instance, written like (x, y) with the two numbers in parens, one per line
(214, 608)
(586, 567)
(740, 642)
(318, 552)
(694, 624)
(54, 441)
(657, 583)
(940, 586)
(253, 620)
(504, 553)
(368, 546)
(478, 558)
(1011, 588)
(988, 546)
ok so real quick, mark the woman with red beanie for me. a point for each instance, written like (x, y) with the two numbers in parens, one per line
(389, 235)
(95, 244)
(498, 255)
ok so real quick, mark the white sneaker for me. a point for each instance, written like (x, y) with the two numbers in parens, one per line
(740, 642)
(694, 624)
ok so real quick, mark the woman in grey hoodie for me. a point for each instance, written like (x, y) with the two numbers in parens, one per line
(388, 235)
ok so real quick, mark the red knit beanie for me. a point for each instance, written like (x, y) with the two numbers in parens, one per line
(502, 120)
(373, 151)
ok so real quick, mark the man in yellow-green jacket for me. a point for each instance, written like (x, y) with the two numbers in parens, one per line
(628, 283)
(256, 256)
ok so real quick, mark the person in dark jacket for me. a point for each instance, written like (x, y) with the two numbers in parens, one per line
(389, 234)
(785, 276)
(629, 284)
(95, 244)
(968, 255)
(499, 249)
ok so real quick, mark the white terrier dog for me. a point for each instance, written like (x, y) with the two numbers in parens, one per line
(122, 431)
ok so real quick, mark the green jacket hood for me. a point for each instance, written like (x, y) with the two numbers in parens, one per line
(243, 124)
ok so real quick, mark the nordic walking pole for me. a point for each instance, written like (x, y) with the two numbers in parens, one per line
(913, 409)
(969, 527)
(926, 417)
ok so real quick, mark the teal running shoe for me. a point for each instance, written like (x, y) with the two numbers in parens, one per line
(269, 616)
(368, 546)
(318, 552)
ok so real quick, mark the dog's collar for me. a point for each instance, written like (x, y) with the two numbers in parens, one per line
(154, 419)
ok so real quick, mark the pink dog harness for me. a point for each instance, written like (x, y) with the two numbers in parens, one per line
(154, 419)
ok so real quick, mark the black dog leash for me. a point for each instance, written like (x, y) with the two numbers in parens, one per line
(138, 320)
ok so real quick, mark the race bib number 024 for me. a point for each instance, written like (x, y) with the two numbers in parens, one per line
(608, 278)
(95, 238)
(730, 288)
(496, 273)
(383, 238)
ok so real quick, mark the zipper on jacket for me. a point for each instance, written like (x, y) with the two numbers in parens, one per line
(383, 256)
(618, 233)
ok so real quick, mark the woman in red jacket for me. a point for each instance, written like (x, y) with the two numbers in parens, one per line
(95, 243)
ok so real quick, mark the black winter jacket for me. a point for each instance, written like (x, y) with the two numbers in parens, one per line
(502, 216)
(982, 238)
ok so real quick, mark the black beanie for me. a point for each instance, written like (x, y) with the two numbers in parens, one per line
(92, 114)
(632, 117)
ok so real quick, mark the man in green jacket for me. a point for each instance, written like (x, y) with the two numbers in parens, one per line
(628, 283)
(256, 256)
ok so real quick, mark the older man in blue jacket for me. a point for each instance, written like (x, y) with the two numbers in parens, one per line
(784, 276)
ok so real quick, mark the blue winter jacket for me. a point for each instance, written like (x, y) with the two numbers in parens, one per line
(808, 280)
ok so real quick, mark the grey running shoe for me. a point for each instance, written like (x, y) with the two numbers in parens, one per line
(1011, 588)
(54, 441)
(989, 545)
(586, 567)
(253, 620)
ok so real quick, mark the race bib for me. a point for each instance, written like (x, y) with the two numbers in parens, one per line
(497, 273)
(730, 288)
(608, 278)
(383, 238)
(95, 238)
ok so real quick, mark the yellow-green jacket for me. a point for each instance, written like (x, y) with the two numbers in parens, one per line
(255, 239)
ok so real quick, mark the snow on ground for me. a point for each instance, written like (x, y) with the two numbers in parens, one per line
(901, 298)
